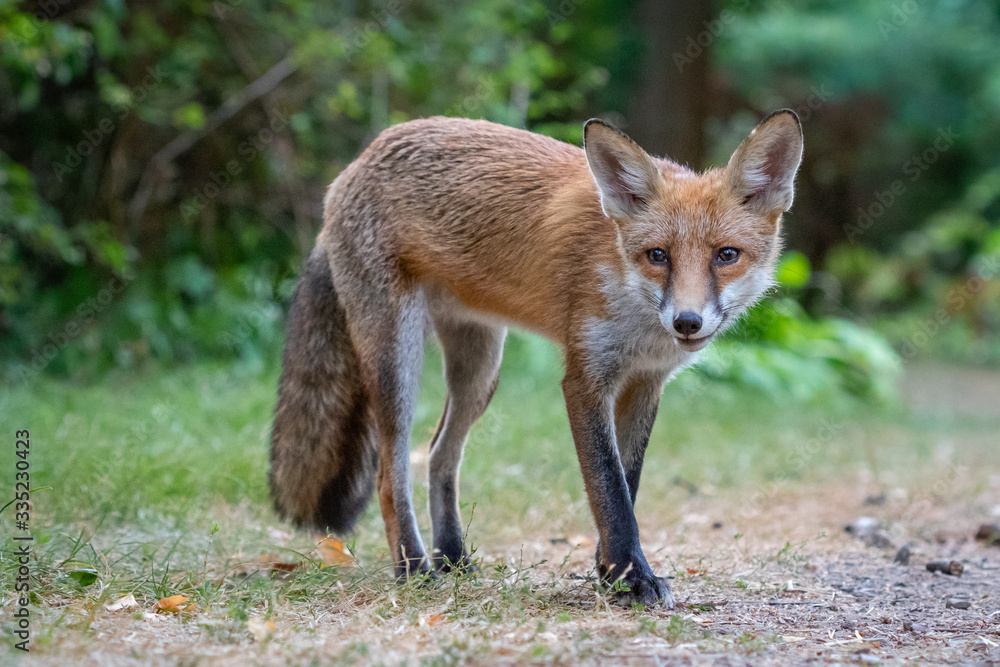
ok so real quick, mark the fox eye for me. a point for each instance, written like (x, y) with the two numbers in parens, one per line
(727, 256)
(657, 255)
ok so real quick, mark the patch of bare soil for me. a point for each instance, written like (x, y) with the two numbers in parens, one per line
(781, 584)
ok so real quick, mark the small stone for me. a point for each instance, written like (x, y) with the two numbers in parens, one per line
(989, 533)
(954, 568)
(869, 530)
(957, 604)
(902, 556)
(717, 525)
(862, 525)
(875, 499)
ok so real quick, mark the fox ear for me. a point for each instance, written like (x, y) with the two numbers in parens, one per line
(762, 170)
(625, 174)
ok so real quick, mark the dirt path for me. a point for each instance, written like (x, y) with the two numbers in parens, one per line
(782, 583)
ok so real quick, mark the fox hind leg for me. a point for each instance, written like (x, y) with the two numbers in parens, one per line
(472, 354)
(388, 334)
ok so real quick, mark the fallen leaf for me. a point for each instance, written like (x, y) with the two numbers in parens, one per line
(331, 551)
(274, 563)
(126, 602)
(260, 629)
(84, 577)
(174, 603)
(432, 619)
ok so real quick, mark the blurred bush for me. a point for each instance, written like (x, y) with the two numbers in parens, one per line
(162, 164)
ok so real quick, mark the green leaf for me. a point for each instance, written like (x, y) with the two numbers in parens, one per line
(84, 577)
(191, 115)
(793, 270)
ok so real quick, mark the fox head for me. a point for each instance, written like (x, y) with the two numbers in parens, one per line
(701, 248)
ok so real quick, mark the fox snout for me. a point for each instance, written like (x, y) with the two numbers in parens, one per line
(692, 329)
(687, 323)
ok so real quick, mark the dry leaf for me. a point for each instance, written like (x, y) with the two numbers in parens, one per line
(273, 562)
(432, 619)
(331, 551)
(126, 602)
(260, 629)
(174, 603)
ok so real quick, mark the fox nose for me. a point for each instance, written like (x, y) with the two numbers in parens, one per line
(687, 323)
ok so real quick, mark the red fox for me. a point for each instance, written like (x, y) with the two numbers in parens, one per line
(630, 263)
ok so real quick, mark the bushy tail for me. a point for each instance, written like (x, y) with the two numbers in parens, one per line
(323, 451)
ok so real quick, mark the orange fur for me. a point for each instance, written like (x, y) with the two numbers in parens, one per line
(630, 263)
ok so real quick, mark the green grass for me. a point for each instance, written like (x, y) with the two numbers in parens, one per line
(158, 484)
(182, 444)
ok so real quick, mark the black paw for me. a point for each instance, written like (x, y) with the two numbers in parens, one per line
(648, 590)
(418, 569)
(637, 586)
(462, 564)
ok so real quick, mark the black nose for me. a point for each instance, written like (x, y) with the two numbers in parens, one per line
(687, 323)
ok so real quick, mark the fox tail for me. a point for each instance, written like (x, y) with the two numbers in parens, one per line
(323, 442)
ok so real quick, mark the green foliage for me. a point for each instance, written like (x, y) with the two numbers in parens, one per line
(207, 240)
(782, 352)
(938, 293)
(93, 95)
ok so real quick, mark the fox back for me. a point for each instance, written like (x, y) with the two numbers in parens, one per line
(546, 235)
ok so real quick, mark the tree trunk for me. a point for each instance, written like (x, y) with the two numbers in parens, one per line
(670, 99)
